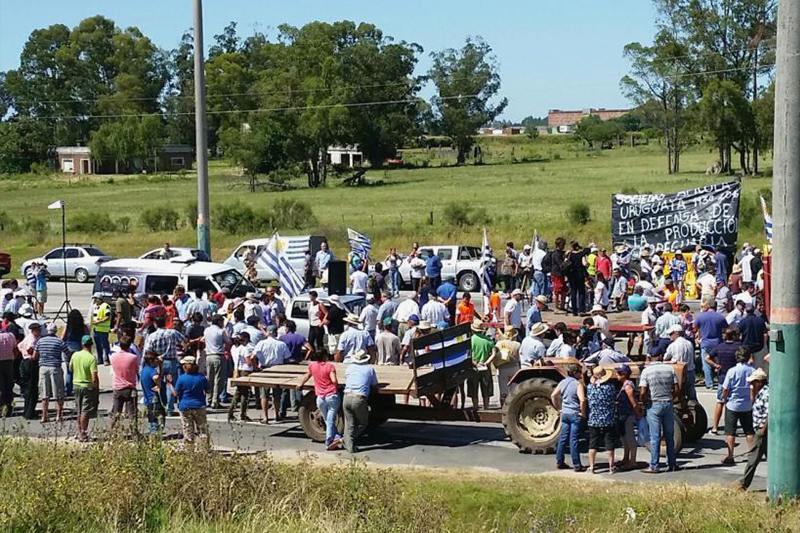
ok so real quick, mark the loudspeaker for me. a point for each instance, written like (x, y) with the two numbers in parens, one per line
(337, 277)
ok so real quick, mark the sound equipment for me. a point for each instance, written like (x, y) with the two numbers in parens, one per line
(337, 277)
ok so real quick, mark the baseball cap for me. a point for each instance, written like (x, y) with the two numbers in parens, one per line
(86, 340)
(414, 318)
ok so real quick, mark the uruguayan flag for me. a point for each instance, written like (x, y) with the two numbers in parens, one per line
(359, 243)
(767, 220)
(274, 258)
(486, 258)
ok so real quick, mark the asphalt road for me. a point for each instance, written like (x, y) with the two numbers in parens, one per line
(402, 443)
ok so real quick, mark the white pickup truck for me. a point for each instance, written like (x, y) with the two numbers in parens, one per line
(462, 262)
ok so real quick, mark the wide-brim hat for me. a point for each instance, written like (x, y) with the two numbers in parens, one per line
(542, 299)
(189, 360)
(675, 328)
(620, 248)
(602, 374)
(597, 308)
(360, 357)
(539, 329)
(477, 326)
(509, 331)
(26, 311)
(516, 292)
(757, 375)
(425, 325)
(352, 319)
(737, 269)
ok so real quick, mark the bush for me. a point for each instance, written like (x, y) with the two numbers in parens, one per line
(293, 214)
(191, 215)
(579, 213)
(124, 224)
(460, 215)
(39, 168)
(235, 218)
(88, 222)
(160, 218)
(285, 213)
(37, 228)
(750, 214)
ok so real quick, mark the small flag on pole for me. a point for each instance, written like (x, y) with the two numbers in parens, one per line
(274, 258)
(359, 243)
(767, 220)
(58, 204)
(486, 258)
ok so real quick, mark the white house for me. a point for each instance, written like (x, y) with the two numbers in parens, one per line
(345, 156)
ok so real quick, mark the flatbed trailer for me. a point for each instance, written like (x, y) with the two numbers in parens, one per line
(622, 323)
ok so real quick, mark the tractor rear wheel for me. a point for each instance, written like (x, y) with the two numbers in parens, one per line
(679, 437)
(529, 418)
(311, 419)
(696, 421)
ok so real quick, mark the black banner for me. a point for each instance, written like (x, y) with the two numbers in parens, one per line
(707, 215)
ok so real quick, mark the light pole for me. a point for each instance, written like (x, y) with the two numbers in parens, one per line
(66, 307)
(783, 464)
(203, 218)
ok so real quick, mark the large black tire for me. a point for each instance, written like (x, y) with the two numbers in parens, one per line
(311, 419)
(696, 421)
(468, 282)
(529, 418)
(679, 437)
(379, 405)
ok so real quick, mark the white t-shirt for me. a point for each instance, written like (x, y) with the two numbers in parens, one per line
(514, 312)
(708, 284)
(602, 324)
(538, 256)
(525, 260)
(601, 294)
(566, 351)
(239, 355)
(747, 272)
(369, 317)
(313, 315)
(417, 267)
(358, 282)
(648, 319)
(405, 310)
(745, 296)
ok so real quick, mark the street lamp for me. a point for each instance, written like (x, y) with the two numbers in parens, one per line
(66, 307)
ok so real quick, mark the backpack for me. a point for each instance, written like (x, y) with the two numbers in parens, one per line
(547, 262)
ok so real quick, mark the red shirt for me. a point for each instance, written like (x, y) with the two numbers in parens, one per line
(321, 372)
(151, 312)
(170, 313)
(603, 266)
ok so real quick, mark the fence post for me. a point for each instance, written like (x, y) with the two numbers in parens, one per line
(431, 218)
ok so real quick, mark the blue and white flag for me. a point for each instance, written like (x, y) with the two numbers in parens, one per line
(486, 260)
(274, 258)
(767, 220)
(359, 243)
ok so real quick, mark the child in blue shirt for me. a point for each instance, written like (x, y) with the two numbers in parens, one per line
(153, 394)
(191, 389)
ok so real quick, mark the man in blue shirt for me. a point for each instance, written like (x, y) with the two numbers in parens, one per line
(447, 295)
(534, 315)
(321, 260)
(190, 390)
(387, 309)
(738, 405)
(360, 379)
(710, 324)
(433, 271)
(721, 265)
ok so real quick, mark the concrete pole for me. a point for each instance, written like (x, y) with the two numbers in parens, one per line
(203, 215)
(783, 479)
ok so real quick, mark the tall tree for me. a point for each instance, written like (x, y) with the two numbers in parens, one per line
(466, 80)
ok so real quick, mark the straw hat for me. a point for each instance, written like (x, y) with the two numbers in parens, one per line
(602, 375)
(189, 360)
(539, 329)
(425, 325)
(737, 269)
(359, 357)
(597, 308)
(542, 299)
(477, 326)
(352, 320)
(758, 375)
(509, 332)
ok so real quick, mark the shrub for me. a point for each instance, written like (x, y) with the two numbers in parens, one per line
(39, 168)
(88, 222)
(579, 213)
(191, 215)
(161, 218)
(235, 218)
(456, 214)
(37, 228)
(291, 213)
(124, 223)
(750, 215)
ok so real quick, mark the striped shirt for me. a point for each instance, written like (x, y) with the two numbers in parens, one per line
(51, 350)
(659, 380)
(164, 343)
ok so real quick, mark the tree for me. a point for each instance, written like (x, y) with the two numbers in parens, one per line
(727, 115)
(466, 81)
(597, 132)
(130, 140)
(23, 140)
(259, 148)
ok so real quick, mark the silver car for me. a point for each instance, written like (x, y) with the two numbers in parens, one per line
(79, 261)
(298, 308)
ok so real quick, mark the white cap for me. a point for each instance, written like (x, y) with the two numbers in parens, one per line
(516, 292)
(675, 328)
(526, 247)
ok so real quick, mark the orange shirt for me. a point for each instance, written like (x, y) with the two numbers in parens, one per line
(494, 306)
(465, 312)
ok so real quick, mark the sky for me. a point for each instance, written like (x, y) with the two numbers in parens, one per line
(553, 54)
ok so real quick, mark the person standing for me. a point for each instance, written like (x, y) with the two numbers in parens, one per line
(51, 351)
(722, 358)
(738, 404)
(658, 385)
(334, 321)
(681, 350)
(9, 352)
(569, 398)
(601, 292)
(316, 317)
(760, 391)
(72, 335)
(393, 261)
(326, 390)
(29, 371)
(358, 282)
(352, 340)
(512, 312)
(388, 344)
(123, 310)
(720, 265)
(321, 260)
(216, 341)
(677, 271)
(508, 271)
(309, 278)
(369, 317)
(417, 265)
(539, 283)
(190, 390)
(710, 325)
(164, 344)
(41, 288)
(433, 271)
(482, 352)
(101, 325)
(386, 310)
(243, 365)
(754, 330)
(86, 383)
(506, 359)
(601, 396)
(629, 411)
(434, 311)
(465, 311)
(448, 294)
(557, 273)
(525, 271)
(577, 274)
(360, 380)
(271, 352)
(153, 393)
(126, 371)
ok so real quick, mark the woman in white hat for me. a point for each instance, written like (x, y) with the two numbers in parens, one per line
(190, 390)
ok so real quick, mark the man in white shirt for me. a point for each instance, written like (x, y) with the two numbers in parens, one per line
(369, 317)
(649, 317)
(734, 317)
(666, 321)
(358, 282)
(352, 340)
(744, 262)
(404, 311)
(681, 350)
(434, 312)
(512, 313)
(525, 266)
(271, 352)
(539, 277)
(707, 285)
(600, 320)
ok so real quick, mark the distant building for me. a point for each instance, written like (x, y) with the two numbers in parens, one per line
(345, 156)
(78, 160)
(559, 121)
(495, 130)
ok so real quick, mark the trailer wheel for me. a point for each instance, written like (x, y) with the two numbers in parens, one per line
(311, 419)
(530, 419)
(696, 421)
(679, 437)
(379, 406)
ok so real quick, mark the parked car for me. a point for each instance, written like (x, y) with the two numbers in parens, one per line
(463, 262)
(177, 253)
(295, 252)
(79, 261)
(298, 308)
(155, 276)
(5, 263)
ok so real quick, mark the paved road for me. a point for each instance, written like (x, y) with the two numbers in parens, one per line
(445, 445)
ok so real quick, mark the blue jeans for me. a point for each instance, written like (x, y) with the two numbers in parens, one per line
(103, 348)
(170, 368)
(661, 415)
(570, 431)
(394, 280)
(329, 408)
(708, 372)
(539, 285)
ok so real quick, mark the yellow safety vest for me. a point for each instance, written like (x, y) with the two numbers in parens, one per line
(101, 318)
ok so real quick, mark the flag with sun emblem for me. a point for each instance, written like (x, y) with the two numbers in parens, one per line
(274, 258)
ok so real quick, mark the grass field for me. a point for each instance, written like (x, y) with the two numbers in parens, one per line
(394, 209)
(113, 486)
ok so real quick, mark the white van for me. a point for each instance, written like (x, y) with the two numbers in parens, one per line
(154, 276)
(295, 252)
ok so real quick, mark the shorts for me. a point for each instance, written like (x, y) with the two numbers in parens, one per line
(480, 379)
(559, 287)
(735, 418)
(266, 392)
(719, 393)
(333, 343)
(86, 401)
(41, 296)
(124, 401)
(51, 383)
(607, 436)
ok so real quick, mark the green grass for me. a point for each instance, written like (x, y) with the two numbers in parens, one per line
(112, 486)
(394, 209)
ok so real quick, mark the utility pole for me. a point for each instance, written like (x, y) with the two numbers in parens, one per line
(783, 470)
(203, 216)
